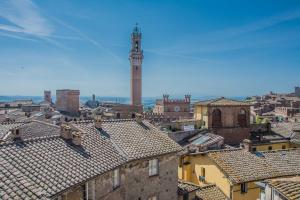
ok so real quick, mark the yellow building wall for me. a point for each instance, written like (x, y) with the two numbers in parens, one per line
(252, 193)
(200, 113)
(213, 175)
(180, 172)
(184, 169)
(275, 146)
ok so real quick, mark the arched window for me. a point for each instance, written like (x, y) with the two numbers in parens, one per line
(216, 118)
(118, 115)
(242, 118)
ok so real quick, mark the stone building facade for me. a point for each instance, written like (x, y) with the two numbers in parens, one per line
(227, 118)
(47, 96)
(67, 101)
(135, 183)
(118, 111)
(173, 108)
(286, 111)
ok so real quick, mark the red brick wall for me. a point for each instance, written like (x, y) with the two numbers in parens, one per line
(233, 135)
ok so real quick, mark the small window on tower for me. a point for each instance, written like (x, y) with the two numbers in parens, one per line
(136, 68)
(136, 46)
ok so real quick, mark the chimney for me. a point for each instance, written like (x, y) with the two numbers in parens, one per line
(16, 133)
(138, 118)
(98, 122)
(69, 133)
(77, 138)
(65, 131)
(247, 145)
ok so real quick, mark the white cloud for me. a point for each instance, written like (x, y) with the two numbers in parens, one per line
(23, 16)
(25, 21)
(262, 24)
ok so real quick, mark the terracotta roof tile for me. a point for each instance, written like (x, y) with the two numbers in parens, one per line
(243, 166)
(136, 140)
(186, 187)
(50, 165)
(288, 188)
(41, 167)
(210, 192)
(222, 102)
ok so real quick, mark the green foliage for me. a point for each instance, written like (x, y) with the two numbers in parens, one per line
(261, 120)
(258, 119)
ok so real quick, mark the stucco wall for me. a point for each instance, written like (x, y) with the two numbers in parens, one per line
(252, 193)
(275, 146)
(213, 175)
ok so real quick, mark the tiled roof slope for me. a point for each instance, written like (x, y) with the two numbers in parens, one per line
(288, 188)
(286, 162)
(243, 166)
(42, 167)
(283, 128)
(29, 129)
(6, 127)
(39, 129)
(210, 192)
(186, 187)
(137, 140)
(50, 165)
(222, 101)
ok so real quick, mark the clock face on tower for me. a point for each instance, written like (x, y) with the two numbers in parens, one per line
(176, 108)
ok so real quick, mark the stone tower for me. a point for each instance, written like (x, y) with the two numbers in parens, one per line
(136, 59)
(47, 96)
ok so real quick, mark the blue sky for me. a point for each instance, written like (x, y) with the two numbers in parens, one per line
(220, 48)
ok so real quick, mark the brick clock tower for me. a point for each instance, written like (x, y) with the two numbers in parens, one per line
(136, 59)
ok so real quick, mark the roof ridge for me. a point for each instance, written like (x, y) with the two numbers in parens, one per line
(224, 150)
(118, 120)
(104, 120)
(45, 123)
(187, 182)
(211, 186)
(17, 122)
(211, 101)
(35, 139)
(281, 150)
(207, 186)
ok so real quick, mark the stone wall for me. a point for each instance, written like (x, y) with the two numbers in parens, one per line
(233, 135)
(229, 115)
(138, 184)
(67, 100)
(135, 182)
(230, 129)
(47, 96)
(125, 111)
